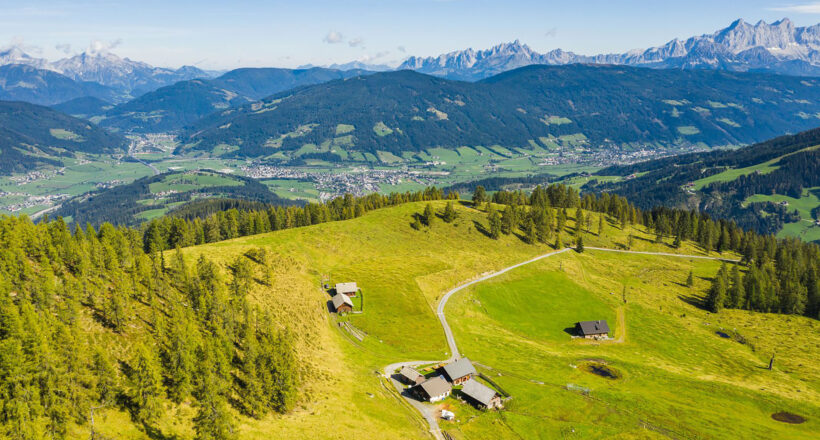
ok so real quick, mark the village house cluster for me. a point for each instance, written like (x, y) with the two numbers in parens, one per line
(460, 373)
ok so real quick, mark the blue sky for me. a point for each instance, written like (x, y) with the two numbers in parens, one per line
(227, 34)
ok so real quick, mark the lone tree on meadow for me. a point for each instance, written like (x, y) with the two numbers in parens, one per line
(579, 245)
(429, 215)
(449, 214)
(690, 280)
(479, 195)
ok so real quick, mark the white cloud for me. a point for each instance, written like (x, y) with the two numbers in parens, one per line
(401, 49)
(356, 42)
(551, 32)
(64, 48)
(20, 43)
(333, 37)
(807, 8)
(98, 46)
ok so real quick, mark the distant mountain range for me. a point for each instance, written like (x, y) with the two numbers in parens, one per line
(780, 47)
(128, 78)
(173, 107)
(32, 135)
(578, 105)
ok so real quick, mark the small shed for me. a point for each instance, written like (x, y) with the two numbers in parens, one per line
(592, 329)
(349, 289)
(459, 371)
(480, 394)
(410, 376)
(342, 303)
(433, 390)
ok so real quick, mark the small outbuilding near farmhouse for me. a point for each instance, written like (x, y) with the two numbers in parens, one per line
(342, 303)
(349, 289)
(459, 371)
(410, 376)
(592, 329)
(481, 395)
(433, 390)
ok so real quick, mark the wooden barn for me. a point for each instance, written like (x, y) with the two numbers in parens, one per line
(349, 289)
(410, 376)
(433, 390)
(481, 395)
(342, 303)
(592, 329)
(459, 371)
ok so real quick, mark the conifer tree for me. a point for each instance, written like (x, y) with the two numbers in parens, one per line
(449, 214)
(507, 220)
(429, 215)
(479, 196)
(717, 293)
(494, 220)
(579, 245)
(737, 293)
(148, 389)
(690, 280)
(529, 231)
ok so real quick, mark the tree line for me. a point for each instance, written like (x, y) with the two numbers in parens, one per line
(171, 232)
(774, 275)
(89, 321)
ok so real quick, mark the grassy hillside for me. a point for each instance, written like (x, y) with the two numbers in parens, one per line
(514, 324)
(546, 106)
(770, 187)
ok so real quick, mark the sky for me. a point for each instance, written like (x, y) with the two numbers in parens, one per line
(242, 33)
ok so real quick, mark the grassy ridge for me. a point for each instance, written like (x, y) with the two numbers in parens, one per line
(404, 272)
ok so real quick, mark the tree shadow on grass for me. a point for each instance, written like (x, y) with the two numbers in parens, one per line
(694, 300)
(481, 228)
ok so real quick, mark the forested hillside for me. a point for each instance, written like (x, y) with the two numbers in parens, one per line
(591, 106)
(723, 182)
(28, 132)
(90, 323)
(175, 106)
(128, 204)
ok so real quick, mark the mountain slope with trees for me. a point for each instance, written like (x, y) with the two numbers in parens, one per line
(31, 135)
(598, 106)
(173, 107)
(788, 166)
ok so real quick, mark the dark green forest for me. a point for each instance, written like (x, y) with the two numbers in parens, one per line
(661, 185)
(25, 133)
(610, 105)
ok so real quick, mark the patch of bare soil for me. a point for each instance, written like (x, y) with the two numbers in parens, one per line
(787, 417)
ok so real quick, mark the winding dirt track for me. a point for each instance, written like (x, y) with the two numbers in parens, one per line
(427, 411)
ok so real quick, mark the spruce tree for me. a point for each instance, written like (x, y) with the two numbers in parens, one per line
(494, 220)
(148, 389)
(579, 245)
(479, 196)
(717, 293)
(449, 214)
(529, 231)
(690, 280)
(737, 293)
(429, 215)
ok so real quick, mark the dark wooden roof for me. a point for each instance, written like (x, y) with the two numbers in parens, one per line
(593, 327)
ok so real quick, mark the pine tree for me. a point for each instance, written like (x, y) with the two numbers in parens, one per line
(717, 293)
(479, 196)
(212, 420)
(529, 231)
(507, 220)
(600, 225)
(148, 390)
(449, 214)
(559, 242)
(737, 293)
(416, 223)
(690, 280)
(630, 241)
(429, 215)
(579, 246)
(494, 220)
